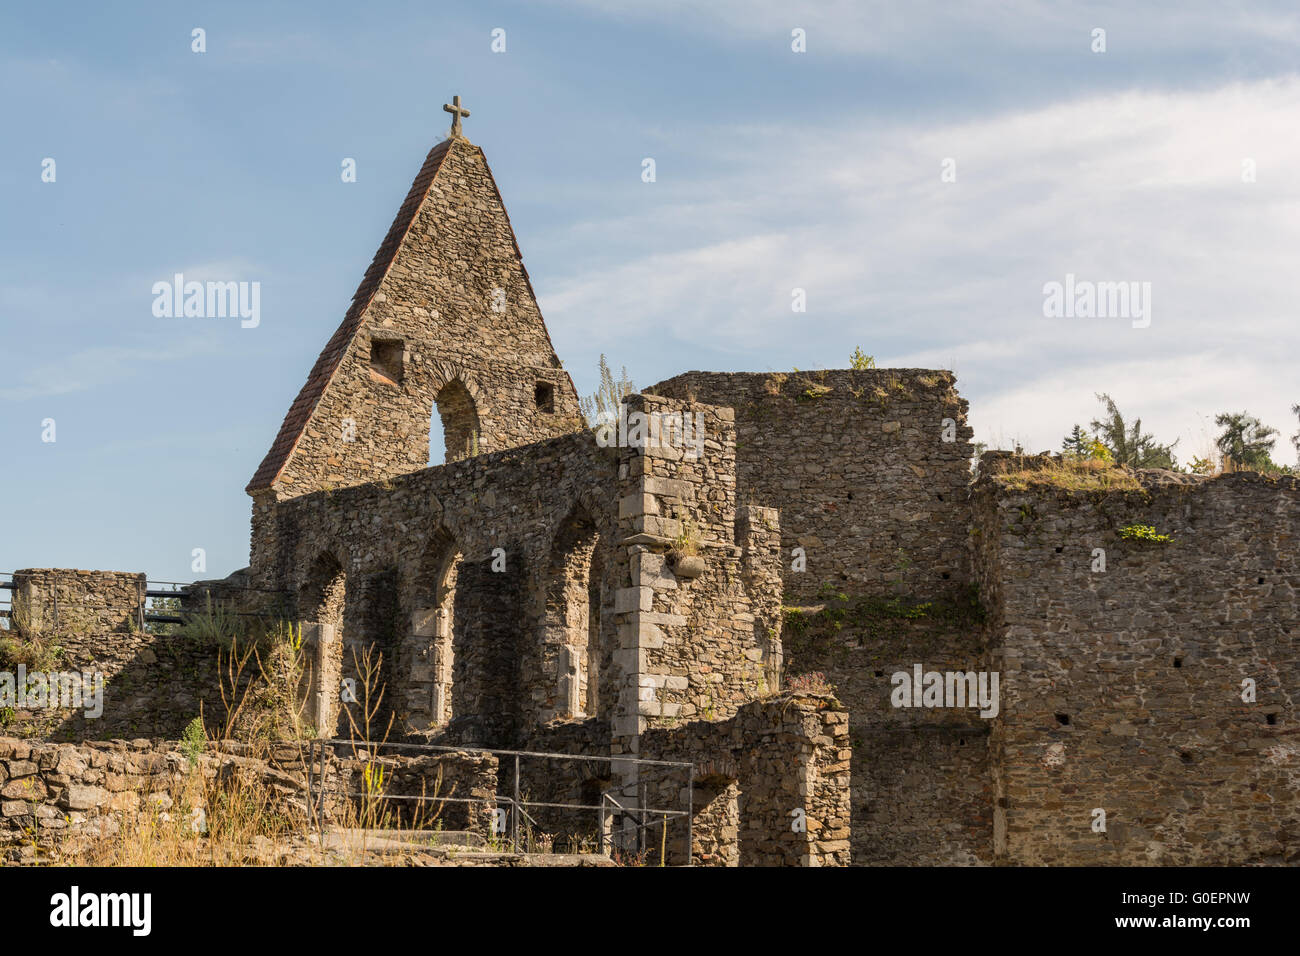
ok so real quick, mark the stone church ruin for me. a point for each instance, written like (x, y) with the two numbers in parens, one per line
(655, 593)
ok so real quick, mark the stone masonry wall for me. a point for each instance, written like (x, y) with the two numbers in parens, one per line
(60, 602)
(922, 790)
(857, 464)
(1123, 689)
(412, 566)
(772, 785)
(88, 623)
(153, 686)
(50, 791)
(506, 523)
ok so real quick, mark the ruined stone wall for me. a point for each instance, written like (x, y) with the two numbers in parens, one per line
(444, 571)
(87, 623)
(1122, 689)
(527, 632)
(556, 780)
(696, 628)
(49, 791)
(62, 602)
(153, 686)
(772, 784)
(921, 785)
(420, 790)
(858, 466)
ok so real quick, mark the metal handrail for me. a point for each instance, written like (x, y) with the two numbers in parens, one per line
(517, 806)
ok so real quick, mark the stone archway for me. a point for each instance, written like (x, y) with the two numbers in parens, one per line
(568, 677)
(456, 415)
(428, 648)
(321, 600)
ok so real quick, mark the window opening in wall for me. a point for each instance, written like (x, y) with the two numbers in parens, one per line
(544, 396)
(453, 425)
(386, 360)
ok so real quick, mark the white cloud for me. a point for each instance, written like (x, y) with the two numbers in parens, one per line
(1142, 186)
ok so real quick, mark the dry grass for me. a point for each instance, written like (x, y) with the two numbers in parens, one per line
(1071, 475)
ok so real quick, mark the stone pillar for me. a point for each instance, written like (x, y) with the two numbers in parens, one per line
(322, 703)
(673, 482)
(570, 682)
(442, 664)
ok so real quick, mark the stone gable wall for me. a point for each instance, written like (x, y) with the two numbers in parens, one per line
(439, 315)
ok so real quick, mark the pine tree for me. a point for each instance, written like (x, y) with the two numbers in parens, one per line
(1127, 444)
(1245, 441)
(1076, 443)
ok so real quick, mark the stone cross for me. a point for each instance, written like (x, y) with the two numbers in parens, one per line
(454, 108)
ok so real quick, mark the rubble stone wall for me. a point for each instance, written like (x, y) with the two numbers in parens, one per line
(1160, 690)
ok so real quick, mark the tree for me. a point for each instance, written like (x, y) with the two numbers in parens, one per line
(1245, 441)
(1080, 445)
(1295, 439)
(601, 406)
(1126, 443)
(1076, 443)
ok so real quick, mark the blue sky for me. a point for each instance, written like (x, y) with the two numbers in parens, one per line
(775, 170)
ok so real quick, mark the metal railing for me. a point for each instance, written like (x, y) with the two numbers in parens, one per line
(642, 816)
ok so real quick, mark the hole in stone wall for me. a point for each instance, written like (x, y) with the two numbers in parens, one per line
(1178, 662)
(946, 575)
(1260, 581)
(1063, 719)
(880, 673)
(1270, 719)
(1185, 756)
(544, 396)
(454, 429)
(386, 360)
(1060, 548)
